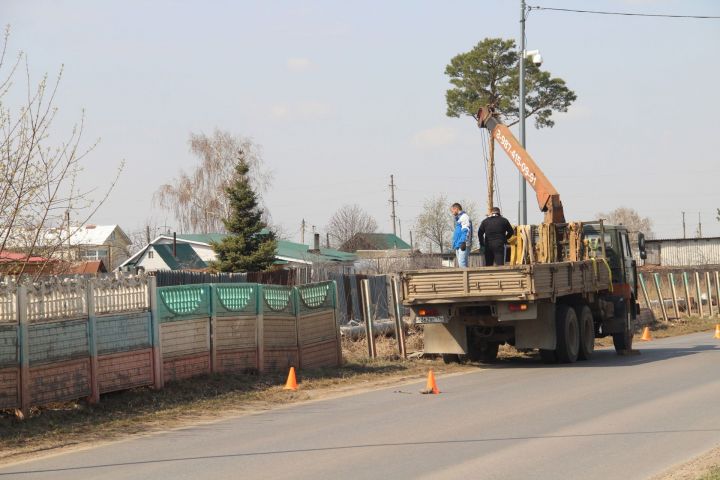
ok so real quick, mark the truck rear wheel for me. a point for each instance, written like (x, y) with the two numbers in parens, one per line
(587, 332)
(622, 341)
(568, 334)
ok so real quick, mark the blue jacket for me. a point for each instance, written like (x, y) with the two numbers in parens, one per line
(463, 230)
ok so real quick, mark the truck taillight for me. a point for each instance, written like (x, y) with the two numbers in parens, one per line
(427, 312)
(517, 307)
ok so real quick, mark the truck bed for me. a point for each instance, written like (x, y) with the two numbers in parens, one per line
(506, 283)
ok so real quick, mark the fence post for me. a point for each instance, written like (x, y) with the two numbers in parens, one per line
(156, 341)
(92, 343)
(656, 277)
(687, 294)
(701, 311)
(644, 291)
(260, 328)
(717, 288)
(671, 278)
(709, 294)
(23, 350)
(338, 336)
(213, 328)
(365, 290)
(295, 299)
(399, 330)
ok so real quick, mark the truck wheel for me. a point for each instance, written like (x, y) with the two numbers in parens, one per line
(587, 332)
(568, 334)
(488, 352)
(622, 341)
(548, 356)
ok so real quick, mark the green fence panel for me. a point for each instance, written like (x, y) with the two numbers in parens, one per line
(316, 296)
(8, 345)
(277, 300)
(234, 298)
(183, 302)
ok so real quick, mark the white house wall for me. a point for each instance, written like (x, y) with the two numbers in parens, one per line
(152, 264)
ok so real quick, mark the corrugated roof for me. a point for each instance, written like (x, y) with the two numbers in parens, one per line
(285, 249)
(185, 257)
(680, 239)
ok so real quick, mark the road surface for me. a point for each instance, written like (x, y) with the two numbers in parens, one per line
(613, 417)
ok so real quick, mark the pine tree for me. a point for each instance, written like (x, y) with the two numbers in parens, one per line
(246, 248)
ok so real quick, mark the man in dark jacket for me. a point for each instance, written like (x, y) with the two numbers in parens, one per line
(493, 235)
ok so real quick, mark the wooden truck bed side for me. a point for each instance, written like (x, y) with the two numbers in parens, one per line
(506, 283)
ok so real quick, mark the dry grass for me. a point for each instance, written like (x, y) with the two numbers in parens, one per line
(673, 328)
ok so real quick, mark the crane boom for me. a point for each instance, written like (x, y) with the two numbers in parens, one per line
(547, 196)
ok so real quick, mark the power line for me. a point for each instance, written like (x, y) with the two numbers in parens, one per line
(625, 14)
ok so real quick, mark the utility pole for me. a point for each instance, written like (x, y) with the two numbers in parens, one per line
(400, 227)
(684, 236)
(412, 247)
(699, 226)
(522, 203)
(393, 202)
(302, 231)
(327, 239)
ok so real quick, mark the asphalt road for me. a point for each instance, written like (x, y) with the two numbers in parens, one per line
(613, 417)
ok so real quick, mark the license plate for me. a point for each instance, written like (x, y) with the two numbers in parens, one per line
(430, 320)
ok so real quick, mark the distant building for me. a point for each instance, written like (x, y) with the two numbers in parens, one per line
(108, 243)
(375, 241)
(673, 252)
(194, 252)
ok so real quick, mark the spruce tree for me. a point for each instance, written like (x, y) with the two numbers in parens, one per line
(245, 249)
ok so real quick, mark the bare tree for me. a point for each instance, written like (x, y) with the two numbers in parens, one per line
(38, 175)
(434, 225)
(630, 218)
(348, 221)
(197, 199)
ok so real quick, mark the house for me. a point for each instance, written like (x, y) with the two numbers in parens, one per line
(671, 252)
(194, 251)
(375, 241)
(108, 243)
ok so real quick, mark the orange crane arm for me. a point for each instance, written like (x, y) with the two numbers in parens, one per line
(548, 198)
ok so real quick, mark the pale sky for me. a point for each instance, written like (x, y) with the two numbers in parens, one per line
(342, 94)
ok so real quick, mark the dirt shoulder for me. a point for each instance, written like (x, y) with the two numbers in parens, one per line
(704, 467)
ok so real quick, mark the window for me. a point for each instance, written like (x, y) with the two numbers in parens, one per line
(151, 254)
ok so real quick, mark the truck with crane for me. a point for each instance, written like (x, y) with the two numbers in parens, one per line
(567, 283)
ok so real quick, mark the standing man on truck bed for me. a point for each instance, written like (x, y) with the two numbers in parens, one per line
(493, 235)
(462, 236)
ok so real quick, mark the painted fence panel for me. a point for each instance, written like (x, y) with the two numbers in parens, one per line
(235, 327)
(124, 350)
(184, 316)
(318, 335)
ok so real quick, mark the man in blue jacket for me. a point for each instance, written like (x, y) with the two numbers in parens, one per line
(462, 236)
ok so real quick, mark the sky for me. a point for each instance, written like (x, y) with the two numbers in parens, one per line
(340, 95)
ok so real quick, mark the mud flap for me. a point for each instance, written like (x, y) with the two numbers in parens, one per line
(445, 337)
(538, 333)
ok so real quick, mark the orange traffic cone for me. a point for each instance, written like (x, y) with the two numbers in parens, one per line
(291, 383)
(646, 335)
(717, 331)
(431, 386)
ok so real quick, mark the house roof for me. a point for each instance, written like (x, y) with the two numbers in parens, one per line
(185, 257)
(85, 235)
(376, 241)
(8, 256)
(93, 266)
(286, 250)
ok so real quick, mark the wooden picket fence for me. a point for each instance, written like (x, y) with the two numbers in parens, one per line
(70, 338)
(681, 293)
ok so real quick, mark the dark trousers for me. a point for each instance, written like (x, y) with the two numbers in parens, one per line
(494, 254)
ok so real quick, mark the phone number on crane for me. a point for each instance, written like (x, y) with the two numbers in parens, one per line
(505, 143)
